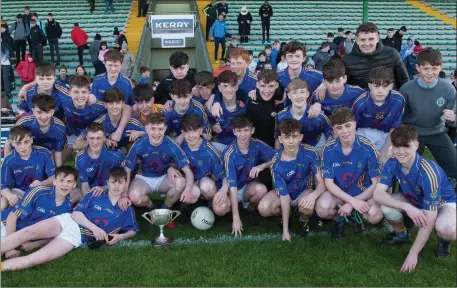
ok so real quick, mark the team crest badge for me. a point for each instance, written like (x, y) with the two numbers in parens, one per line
(273, 114)
(200, 162)
(440, 101)
(359, 165)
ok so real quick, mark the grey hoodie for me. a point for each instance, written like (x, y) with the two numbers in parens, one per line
(18, 31)
(93, 50)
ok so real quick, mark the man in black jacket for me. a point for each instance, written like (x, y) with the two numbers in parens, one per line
(54, 32)
(210, 11)
(37, 39)
(265, 13)
(390, 39)
(369, 53)
(399, 37)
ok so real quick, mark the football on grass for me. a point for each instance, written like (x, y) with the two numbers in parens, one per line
(202, 218)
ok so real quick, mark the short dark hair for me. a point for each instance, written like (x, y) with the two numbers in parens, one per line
(178, 59)
(381, 76)
(268, 47)
(143, 92)
(340, 29)
(262, 54)
(191, 122)
(367, 27)
(181, 88)
(390, 29)
(50, 14)
(95, 127)
(26, 8)
(18, 133)
(66, 170)
(35, 14)
(204, 78)
(103, 43)
(144, 69)
(80, 81)
(334, 69)
(113, 55)
(118, 174)
(267, 76)
(44, 102)
(429, 56)
(324, 45)
(294, 46)
(113, 94)
(289, 126)
(347, 32)
(228, 77)
(403, 135)
(442, 75)
(330, 34)
(225, 60)
(251, 53)
(341, 116)
(19, 16)
(403, 28)
(242, 121)
(44, 69)
(156, 118)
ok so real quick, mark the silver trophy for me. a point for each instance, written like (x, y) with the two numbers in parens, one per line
(161, 217)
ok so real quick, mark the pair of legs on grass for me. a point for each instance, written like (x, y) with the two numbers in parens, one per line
(270, 205)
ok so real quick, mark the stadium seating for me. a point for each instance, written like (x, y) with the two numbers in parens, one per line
(445, 7)
(310, 21)
(67, 13)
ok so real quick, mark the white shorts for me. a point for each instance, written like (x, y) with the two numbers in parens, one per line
(3, 230)
(294, 203)
(453, 205)
(70, 140)
(70, 229)
(377, 137)
(320, 145)
(153, 182)
(240, 196)
(219, 146)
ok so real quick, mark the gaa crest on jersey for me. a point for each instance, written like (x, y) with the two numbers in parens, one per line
(273, 114)
(359, 165)
(440, 101)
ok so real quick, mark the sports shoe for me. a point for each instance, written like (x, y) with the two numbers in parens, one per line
(253, 218)
(316, 225)
(338, 230)
(393, 240)
(217, 62)
(304, 227)
(443, 250)
(387, 225)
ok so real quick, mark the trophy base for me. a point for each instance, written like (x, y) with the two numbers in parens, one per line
(158, 243)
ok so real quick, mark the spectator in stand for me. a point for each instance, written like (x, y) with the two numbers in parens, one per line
(282, 65)
(347, 45)
(308, 62)
(321, 57)
(390, 40)
(53, 32)
(332, 46)
(244, 24)
(222, 8)
(265, 13)
(39, 23)
(92, 6)
(81, 71)
(120, 38)
(109, 6)
(26, 69)
(7, 39)
(280, 53)
(454, 79)
(63, 77)
(79, 37)
(6, 66)
(145, 75)
(407, 48)
(411, 61)
(223, 66)
(20, 31)
(27, 16)
(4, 23)
(218, 32)
(338, 39)
(399, 37)
(252, 64)
(37, 40)
(143, 7)
(263, 63)
(233, 44)
(128, 62)
(274, 54)
(93, 51)
(210, 11)
(102, 52)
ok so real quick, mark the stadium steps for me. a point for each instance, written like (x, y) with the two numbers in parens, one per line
(209, 45)
(134, 28)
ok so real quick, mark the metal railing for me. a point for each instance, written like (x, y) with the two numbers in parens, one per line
(139, 55)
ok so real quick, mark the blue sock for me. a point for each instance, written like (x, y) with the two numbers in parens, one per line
(315, 217)
(164, 206)
(402, 234)
(339, 219)
(445, 242)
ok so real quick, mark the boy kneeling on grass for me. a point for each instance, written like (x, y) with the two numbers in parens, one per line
(95, 218)
(427, 197)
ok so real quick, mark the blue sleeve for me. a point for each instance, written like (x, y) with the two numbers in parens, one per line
(130, 223)
(84, 203)
(178, 156)
(216, 168)
(7, 174)
(61, 143)
(430, 186)
(399, 113)
(81, 171)
(129, 97)
(24, 208)
(388, 174)
(278, 182)
(23, 106)
(229, 167)
(327, 168)
(130, 159)
(50, 166)
(266, 152)
(217, 96)
(315, 162)
(374, 166)
(327, 126)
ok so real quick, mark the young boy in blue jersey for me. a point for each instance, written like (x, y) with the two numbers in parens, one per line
(95, 162)
(47, 131)
(316, 130)
(243, 160)
(114, 78)
(206, 164)
(25, 167)
(379, 111)
(203, 91)
(78, 114)
(40, 203)
(338, 94)
(113, 101)
(95, 218)
(231, 107)
(156, 152)
(427, 197)
(181, 93)
(351, 170)
(297, 179)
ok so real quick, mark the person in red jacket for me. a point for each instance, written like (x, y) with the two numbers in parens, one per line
(79, 37)
(26, 69)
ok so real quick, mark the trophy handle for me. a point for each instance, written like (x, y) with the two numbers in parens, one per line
(145, 217)
(177, 213)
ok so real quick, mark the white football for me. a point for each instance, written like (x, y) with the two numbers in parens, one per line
(202, 218)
